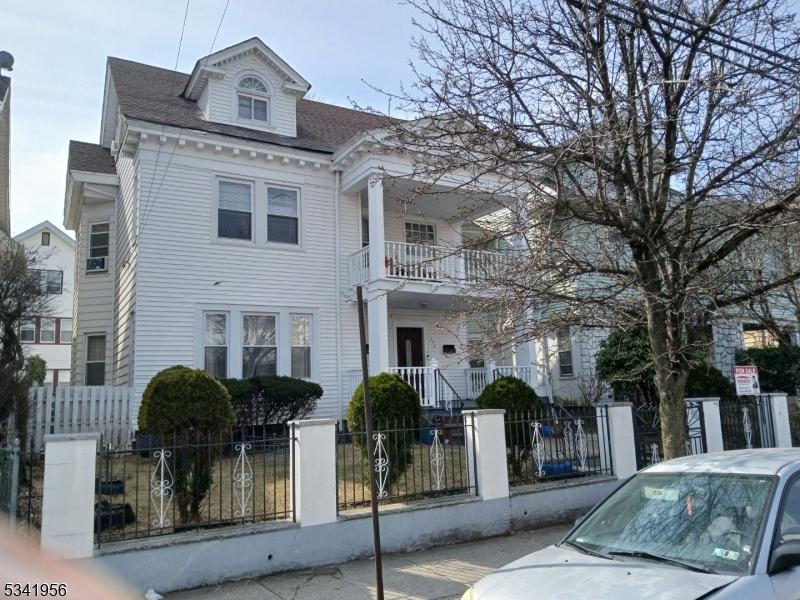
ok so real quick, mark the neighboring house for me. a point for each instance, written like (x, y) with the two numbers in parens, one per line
(223, 221)
(5, 139)
(50, 335)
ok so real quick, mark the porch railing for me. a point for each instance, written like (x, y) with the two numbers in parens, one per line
(421, 262)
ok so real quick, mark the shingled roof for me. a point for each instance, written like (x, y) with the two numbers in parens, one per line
(153, 94)
(93, 158)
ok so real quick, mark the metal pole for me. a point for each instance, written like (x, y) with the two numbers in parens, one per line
(14, 495)
(376, 528)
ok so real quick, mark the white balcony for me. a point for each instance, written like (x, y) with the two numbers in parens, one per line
(426, 263)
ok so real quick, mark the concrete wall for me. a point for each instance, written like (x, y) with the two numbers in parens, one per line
(184, 561)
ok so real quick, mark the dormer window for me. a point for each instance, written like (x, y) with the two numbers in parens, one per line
(253, 99)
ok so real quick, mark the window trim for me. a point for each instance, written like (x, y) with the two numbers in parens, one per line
(433, 227)
(86, 360)
(61, 329)
(41, 321)
(215, 211)
(571, 351)
(310, 345)
(32, 321)
(283, 335)
(252, 95)
(276, 317)
(299, 217)
(227, 345)
(106, 258)
(46, 238)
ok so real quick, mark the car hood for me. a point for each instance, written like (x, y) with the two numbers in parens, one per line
(566, 573)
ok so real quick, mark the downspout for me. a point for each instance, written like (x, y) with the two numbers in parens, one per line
(337, 270)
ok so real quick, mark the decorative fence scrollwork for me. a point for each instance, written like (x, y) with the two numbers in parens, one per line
(161, 488)
(243, 481)
(436, 455)
(381, 464)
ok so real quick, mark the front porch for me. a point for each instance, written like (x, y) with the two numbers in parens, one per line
(453, 388)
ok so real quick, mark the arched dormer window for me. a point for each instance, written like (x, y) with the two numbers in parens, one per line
(253, 99)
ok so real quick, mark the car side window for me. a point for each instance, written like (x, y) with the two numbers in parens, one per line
(789, 523)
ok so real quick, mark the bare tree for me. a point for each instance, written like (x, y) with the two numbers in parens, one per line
(22, 297)
(638, 146)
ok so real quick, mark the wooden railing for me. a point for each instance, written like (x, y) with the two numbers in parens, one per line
(421, 262)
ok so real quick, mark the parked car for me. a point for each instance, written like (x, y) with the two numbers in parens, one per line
(723, 525)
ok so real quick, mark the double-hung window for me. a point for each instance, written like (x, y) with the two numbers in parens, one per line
(53, 282)
(301, 346)
(45, 238)
(65, 332)
(252, 100)
(282, 215)
(564, 343)
(95, 360)
(235, 210)
(420, 233)
(215, 345)
(98, 247)
(47, 331)
(259, 345)
(27, 331)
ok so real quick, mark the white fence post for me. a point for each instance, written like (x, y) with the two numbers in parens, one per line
(619, 438)
(486, 452)
(314, 471)
(712, 424)
(781, 428)
(68, 494)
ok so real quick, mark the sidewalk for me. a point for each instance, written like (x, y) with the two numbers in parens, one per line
(435, 574)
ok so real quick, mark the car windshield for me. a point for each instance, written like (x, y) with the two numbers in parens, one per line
(710, 521)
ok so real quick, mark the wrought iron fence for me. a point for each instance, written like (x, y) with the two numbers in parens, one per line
(647, 432)
(196, 482)
(557, 444)
(412, 461)
(746, 423)
(28, 509)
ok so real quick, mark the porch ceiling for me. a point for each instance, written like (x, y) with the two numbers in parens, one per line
(440, 202)
(421, 301)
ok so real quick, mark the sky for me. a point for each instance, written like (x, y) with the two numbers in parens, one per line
(341, 47)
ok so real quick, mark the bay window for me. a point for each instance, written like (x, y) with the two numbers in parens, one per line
(259, 346)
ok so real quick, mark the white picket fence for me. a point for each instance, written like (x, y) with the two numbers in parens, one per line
(80, 409)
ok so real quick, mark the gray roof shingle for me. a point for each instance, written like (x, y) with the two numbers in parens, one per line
(153, 94)
(93, 158)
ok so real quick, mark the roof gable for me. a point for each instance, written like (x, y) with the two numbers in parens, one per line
(45, 226)
(213, 65)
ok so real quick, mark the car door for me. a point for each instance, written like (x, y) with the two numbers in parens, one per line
(786, 584)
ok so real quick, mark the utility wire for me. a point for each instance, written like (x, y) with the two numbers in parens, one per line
(180, 129)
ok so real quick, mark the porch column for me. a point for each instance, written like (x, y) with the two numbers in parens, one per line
(378, 329)
(377, 253)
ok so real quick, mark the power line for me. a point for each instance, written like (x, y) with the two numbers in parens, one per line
(164, 116)
(180, 129)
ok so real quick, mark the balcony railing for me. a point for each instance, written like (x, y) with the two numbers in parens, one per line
(421, 262)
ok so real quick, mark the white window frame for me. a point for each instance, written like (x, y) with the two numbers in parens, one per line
(310, 345)
(299, 192)
(215, 217)
(227, 346)
(41, 329)
(560, 351)
(275, 316)
(283, 335)
(252, 95)
(91, 225)
(86, 360)
(46, 238)
(61, 330)
(418, 223)
(32, 323)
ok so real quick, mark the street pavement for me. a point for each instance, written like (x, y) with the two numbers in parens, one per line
(435, 574)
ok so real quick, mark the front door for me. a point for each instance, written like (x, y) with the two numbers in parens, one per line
(410, 352)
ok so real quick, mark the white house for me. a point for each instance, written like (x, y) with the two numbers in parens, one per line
(223, 220)
(50, 335)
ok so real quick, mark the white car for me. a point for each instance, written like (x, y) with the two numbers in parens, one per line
(721, 526)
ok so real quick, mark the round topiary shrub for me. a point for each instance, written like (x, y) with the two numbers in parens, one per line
(396, 414)
(520, 402)
(185, 405)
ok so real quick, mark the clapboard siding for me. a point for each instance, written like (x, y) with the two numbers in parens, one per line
(126, 253)
(179, 260)
(220, 103)
(94, 313)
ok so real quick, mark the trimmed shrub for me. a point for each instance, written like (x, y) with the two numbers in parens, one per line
(519, 401)
(272, 400)
(396, 413)
(778, 367)
(705, 381)
(183, 402)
